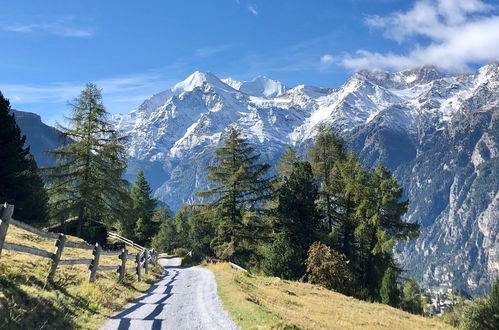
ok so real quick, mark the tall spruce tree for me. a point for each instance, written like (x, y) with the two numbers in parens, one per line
(296, 215)
(87, 180)
(143, 210)
(241, 187)
(329, 148)
(20, 182)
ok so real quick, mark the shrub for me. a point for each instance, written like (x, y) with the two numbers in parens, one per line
(180, 252)
(329, 269)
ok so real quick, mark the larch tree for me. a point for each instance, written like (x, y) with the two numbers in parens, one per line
(87, 181)
(241, 186)
(381, 225)
(20, 181)
(329, 148)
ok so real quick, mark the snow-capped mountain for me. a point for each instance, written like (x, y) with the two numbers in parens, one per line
(437, 132)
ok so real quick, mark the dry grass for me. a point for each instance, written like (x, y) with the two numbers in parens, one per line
(70, 302)
(266, 303)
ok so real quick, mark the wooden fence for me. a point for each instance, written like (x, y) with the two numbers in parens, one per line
(141, 259)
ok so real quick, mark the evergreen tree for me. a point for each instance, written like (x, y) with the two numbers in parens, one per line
(87, 180)
(329, 148)
(20, 182)
(296, 213)
(283, 259)
(143, 210)
(241, 187)
(389, 291)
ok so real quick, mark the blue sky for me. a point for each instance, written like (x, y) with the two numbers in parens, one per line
(133, 49)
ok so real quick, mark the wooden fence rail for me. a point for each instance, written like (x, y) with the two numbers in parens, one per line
(142, 258)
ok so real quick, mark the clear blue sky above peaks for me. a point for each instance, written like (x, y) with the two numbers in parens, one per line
(133, 49)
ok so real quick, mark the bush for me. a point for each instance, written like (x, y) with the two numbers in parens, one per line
(180, 252)
(329, 269)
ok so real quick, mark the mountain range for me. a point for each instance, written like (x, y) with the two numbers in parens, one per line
(438, 133)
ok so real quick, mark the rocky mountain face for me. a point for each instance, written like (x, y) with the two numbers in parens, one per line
(39, 136)
(438, 133)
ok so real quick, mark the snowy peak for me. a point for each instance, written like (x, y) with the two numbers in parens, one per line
(199, 79)
(263, 87)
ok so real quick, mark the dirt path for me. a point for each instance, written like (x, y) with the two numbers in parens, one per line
(183, 298)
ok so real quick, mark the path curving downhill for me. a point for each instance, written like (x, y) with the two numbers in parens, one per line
(183, 298)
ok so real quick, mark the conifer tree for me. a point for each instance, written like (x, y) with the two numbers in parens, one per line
(143, 210)
(296, 210)
(348, 182)
(389, 291)
(329, 148)
(286, 162)
(20, 182)
(241, 187)
(87, 180)
(379, 214)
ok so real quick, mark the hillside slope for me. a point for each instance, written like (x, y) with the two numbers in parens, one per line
(71, 302)
(265, 303)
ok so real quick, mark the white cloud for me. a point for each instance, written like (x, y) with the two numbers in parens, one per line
(252, 9)
(327, 59)
(64, 27)
(457, 33)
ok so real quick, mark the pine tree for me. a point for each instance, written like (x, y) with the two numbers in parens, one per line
(241, 187)
(87, 181)
(20, 182)
(296, 210)
(143, 210)
(283, 259)
(329, 148)
(389, 291)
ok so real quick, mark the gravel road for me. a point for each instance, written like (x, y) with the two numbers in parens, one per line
(183, 298)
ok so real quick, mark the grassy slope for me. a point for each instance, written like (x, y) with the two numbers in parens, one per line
(71, 302)
(263, 303)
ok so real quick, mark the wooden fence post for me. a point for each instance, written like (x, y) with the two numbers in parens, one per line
(138, 267)
(122, 268)
(59, 247)
(146, 261)
(94, 265)
(6, 211)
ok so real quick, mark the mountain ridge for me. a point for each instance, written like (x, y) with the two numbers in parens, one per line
(438, 133)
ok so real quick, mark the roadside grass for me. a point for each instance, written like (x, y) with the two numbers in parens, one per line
(70, 302)
(269, 303)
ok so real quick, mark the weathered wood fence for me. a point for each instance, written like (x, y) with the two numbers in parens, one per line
(141, 259)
